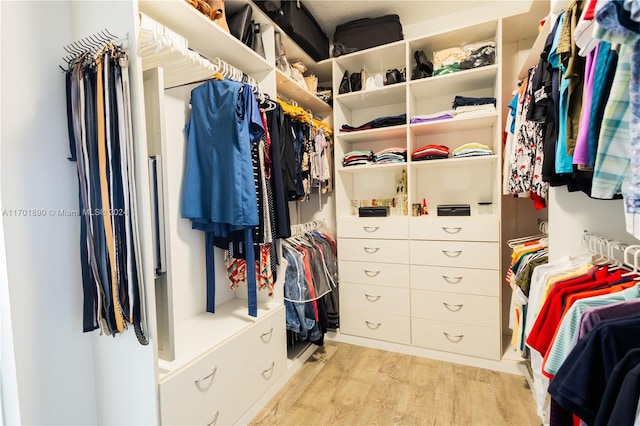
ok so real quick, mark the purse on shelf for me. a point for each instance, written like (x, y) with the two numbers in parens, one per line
(257, 45)
(218, 14)
(240, 25)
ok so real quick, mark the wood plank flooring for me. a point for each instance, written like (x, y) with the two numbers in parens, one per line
(343, 384)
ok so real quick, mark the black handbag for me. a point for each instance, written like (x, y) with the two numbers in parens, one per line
(256, 41)
(240, 25)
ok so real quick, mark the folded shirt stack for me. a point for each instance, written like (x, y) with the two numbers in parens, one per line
(357, 157)
(430, 152)
(472, 149)
(391, 120)
(390, 155)
(441, 115)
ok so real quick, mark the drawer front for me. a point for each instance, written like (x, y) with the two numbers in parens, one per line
(219, 387)
(470, 340)
(483, 282)
(482, 311)
(386, 274)
(458, 228)
(373, 325)
(456, 253)
(386, 300)
(373, 227)
(386, 251)
(192, 396)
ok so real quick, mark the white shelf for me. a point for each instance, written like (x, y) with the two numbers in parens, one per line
(203, 35)
(197, 335)
(454, 162)
(374, 60)
(305, 99)
(372, 135)
(454, 124)
(372, 168)
(455, 83)
(386, 95)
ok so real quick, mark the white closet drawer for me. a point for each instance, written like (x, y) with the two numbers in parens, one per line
(226, 381)
(484, 282)
(386, 300)
(458, 228)
(387, 274)
(482, 311)
(373, 227)
(194, 396)
(373, 325)
(470, 340)
(456, 253)
(387, 251)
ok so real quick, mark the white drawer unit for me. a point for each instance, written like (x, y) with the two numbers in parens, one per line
(455, 307)
(386, 300)
(374, 325)
(373, 227)
(219, 387)
(458, 229)
(386, 251)
(483, 282)
(386, 274)
(479, 255)
(483, 342)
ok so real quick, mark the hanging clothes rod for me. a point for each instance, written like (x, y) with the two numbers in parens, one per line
(160, 46)
(613, 251)
(303, 228)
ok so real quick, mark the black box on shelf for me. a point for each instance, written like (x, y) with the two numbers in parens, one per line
(373, 211)
(454, 210)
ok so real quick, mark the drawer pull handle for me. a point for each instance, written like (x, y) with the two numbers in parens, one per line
(267, 370)
(455, 338)
(215, 419)
(371, 273)
(202, 379)
(373, 325)
(452, 230)
(452, 253)
(371, 250)
(452, 280)
(453, 307)
(268, 333)
(371, 228)
(371, 297)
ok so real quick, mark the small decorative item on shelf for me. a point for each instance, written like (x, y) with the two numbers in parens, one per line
(454, 210)
(402, 206)
(425, 210)
(416, 209)
(485, 207)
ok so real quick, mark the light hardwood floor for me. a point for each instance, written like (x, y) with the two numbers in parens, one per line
(343, 384)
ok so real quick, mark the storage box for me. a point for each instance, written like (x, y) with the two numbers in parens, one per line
(454, 210)
(373, 211)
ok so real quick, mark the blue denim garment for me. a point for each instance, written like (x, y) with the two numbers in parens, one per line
(294, 284)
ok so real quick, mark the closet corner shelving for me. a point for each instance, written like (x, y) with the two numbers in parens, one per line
(434, 280)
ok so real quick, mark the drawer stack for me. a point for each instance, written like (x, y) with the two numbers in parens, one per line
(221, 386)
(455, 304)
(374, 278)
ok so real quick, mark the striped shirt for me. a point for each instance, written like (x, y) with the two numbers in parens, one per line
(566, 335)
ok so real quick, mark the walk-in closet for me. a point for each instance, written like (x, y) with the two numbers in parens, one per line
(320, 212)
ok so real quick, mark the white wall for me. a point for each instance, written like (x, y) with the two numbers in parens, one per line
(54, 364)
(571, 213)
